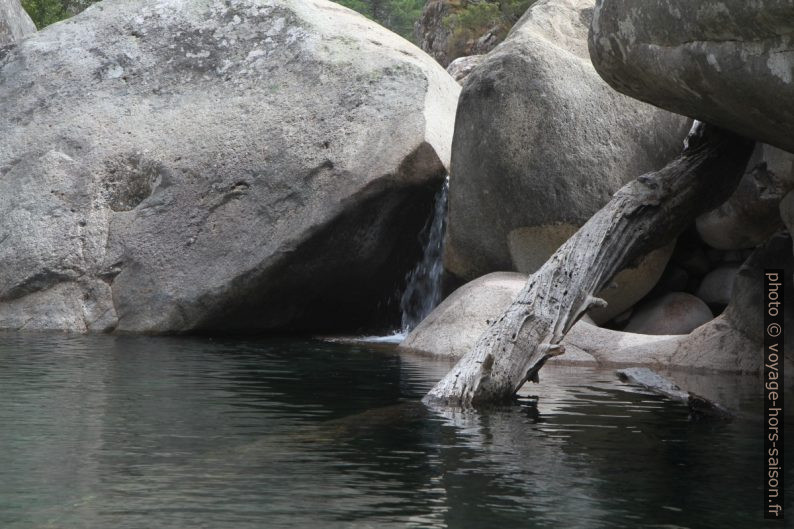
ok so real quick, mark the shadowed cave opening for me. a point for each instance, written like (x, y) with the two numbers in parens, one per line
(347, 277)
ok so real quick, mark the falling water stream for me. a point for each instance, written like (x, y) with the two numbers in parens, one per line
(423, 283)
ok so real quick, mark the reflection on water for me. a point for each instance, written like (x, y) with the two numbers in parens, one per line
(135, 432)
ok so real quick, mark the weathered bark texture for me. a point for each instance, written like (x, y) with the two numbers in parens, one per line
(643, 215)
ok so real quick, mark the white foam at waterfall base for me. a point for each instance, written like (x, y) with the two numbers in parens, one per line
(423, 284)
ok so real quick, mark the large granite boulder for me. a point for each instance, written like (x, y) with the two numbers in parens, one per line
(14, 22)
(541, 143)
(726, 62)
(239, 166)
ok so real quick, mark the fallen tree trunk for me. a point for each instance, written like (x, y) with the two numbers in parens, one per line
(643, 215)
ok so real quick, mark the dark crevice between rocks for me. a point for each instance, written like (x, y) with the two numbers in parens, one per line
(344, 278)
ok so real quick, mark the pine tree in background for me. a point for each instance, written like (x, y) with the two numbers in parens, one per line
(46, 12)
(396, 15)
(481, 17)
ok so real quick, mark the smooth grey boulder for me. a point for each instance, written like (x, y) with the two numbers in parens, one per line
(725, 62)
(632, 284)
(721, 344)
(673, 313)
(15, 23)
(530, 248)
(455, 325)
(240, 166)
(542, 142)
(750, 216)
(717, 285)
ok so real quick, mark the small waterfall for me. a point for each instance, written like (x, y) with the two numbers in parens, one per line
(423, 283)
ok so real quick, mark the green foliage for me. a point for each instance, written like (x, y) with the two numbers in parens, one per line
(396, 15)
(356, 5)
(46, 12)
(475, 19)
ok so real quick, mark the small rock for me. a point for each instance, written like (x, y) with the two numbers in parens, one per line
(674, 313)
(463, 66)
(736, 256)
(716, 287)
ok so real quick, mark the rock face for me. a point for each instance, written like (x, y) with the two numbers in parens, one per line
(214, 166)
(432, 34)
(14, 22)
(751, 216)
(726, 62)
(746, 308)
(541, 143)
(435, 32)
(674, 313)
(461, 67)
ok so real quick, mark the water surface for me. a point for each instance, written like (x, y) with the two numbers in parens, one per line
(136, 432)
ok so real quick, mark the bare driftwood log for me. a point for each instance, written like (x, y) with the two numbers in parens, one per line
(699, 407)
(643, 215)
